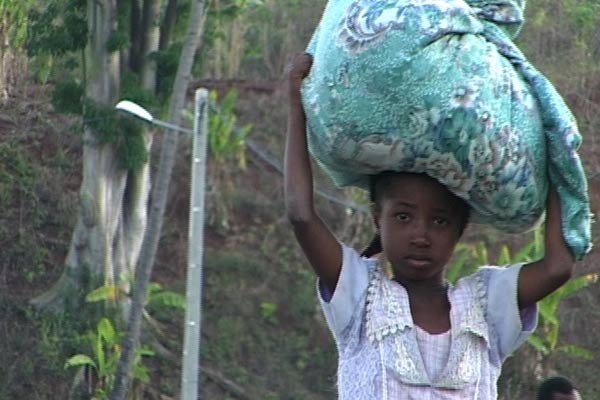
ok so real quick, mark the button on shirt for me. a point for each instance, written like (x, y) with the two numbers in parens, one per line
(383, 355)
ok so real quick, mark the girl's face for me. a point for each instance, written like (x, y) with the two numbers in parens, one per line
(420, 223)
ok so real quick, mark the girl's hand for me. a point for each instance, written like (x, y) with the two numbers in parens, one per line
(556, 247)
(297, 70)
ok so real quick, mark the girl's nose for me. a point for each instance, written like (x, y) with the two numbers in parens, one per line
(420, 236)
(420, 241)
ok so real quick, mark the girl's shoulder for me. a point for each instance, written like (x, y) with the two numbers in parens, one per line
(488, 275)
(474, 283)
(496, 287)
(485, 285)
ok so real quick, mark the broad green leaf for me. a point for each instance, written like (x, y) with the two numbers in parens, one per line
(525, 253)
(481, 254)
(100, 356)
(577, 351)
(145, 351)
(106, 292)
(169, 299)
(141, 372)
(552, 336)
(153, 287)
(504, 256)
(538, 344)
(267, 309)
(106, 331)
(548, 312)
(577, 284)
(78, 360)
(454, 270)
(550, 303)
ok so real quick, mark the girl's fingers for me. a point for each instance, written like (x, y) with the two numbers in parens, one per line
(298, 70)
(300, 66)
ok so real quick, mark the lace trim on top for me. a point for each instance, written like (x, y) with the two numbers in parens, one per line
(384, 313)
(388, 315)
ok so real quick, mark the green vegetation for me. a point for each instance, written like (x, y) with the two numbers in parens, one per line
(105, 345)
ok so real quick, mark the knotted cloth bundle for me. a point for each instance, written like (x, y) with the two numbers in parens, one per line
(439, 87)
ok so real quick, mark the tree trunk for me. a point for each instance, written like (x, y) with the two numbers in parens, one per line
(112, 201)
(151, 35)
(166, 31)
(159, 199)
(13, 60)
(135, 36)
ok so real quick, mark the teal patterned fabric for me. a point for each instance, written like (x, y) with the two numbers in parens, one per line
(439, 87)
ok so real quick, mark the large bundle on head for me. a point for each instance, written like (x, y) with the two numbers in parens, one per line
(438, 86)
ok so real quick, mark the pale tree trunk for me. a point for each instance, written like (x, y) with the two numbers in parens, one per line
(13, 61)
(128, 242)
(112, 201)
(138, 187)
(151, 35)
(235, 49)
(159, 200)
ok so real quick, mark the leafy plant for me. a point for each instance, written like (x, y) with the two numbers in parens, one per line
(268, 310)
(225, 32)
(105, 341)
(14, 21)
(104, 359)
(467, 257)
(546, 338)
(58, 28)
(226, 141)
(155, 295)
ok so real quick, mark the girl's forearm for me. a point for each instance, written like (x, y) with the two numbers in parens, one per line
(538, 279)
(298, 180)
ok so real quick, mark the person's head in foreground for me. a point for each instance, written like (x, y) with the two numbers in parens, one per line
(557, 388)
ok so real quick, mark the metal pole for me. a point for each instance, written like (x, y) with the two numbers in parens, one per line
(193, 317)
(170, 126)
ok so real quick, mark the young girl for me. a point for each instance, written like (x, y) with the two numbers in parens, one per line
(414, 336)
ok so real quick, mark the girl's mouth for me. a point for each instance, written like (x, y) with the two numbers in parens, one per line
(418, 262)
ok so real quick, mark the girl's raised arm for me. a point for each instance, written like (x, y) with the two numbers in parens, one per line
(320, 246)
(540, 278)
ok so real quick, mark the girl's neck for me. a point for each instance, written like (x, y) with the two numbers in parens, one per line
(431, 296)
(429, 305)
(437, 287)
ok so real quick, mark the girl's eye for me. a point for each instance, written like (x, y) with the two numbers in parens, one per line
(401, 216)
(441, 221)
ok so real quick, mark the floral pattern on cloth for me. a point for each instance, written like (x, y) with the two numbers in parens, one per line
(439, 87)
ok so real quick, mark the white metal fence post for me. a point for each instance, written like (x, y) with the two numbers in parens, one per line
(193, 311)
